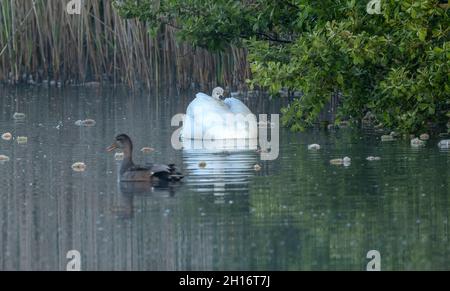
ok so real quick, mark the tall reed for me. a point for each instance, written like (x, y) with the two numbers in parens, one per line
(40, 41)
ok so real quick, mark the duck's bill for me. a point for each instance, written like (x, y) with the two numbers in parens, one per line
(111, 148)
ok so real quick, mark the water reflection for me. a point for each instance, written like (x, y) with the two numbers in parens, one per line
(298, 213)
(123, 206)
(219, 168)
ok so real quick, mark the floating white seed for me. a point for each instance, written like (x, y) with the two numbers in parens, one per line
(337, 161)
(7, 136)
(424, 136)
(314, 147)
(19, 116)
(371, 159)
(86, 123)
(147, 150)
(79, 167)
(22, 140)
(4, 159)
(417, 143)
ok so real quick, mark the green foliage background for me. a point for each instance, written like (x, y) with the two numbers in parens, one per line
(395, 64)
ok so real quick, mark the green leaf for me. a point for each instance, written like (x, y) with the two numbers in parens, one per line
(340, 79)
(422, 34)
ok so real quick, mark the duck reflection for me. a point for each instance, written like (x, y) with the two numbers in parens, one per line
(220, 169)
(124, 201)
(123, 207)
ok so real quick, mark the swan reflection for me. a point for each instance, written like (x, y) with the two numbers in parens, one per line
(226, 167)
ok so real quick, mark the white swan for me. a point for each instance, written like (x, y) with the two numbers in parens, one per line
(208, 117)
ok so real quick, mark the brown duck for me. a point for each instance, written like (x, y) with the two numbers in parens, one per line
(129, 172)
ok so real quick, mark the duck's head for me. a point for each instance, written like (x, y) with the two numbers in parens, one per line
(218, 93)
(122, 142)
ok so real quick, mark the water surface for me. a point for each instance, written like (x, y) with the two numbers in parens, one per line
(297, 213)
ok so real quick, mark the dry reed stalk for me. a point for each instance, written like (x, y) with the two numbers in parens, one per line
(49, 44)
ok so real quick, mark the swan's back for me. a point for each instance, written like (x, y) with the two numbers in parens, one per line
(237, 107)
(206, 114)
(204, 103)
(246, 122)
(203, 113)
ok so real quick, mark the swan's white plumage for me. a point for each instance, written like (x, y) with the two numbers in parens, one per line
(212, 118)
(237, 107)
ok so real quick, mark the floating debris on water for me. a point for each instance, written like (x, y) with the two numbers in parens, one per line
(4, 159)
(257, 168)
(7, 136)
(417, 143)
(444, 144)
(339, 162)
(79, 167)
(314, 147)
(394, 134)
(22, 140)
(202, 165)
(119, 156)
(387, 138)
(336, 161)
(60, 125)
(19, 116)
(424, 137)
(89, 122)
(371, 159)
(147, 150)
(85, 123)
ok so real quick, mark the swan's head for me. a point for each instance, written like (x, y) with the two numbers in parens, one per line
(122, 142)
(218, 93)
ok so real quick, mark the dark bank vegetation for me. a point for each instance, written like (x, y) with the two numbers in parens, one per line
(41, 42)
(392, 68)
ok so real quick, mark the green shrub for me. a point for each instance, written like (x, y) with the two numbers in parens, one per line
(395, 65)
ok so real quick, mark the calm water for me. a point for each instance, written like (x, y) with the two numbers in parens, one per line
(298, 213)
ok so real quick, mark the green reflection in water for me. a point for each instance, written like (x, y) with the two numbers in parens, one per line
(298, 213)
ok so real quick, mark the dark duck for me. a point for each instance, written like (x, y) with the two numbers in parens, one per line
(129, 172)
